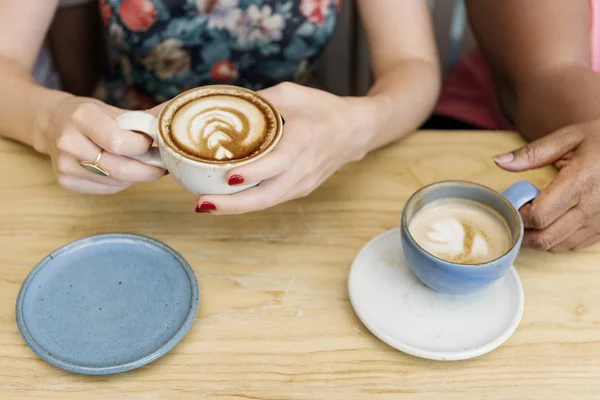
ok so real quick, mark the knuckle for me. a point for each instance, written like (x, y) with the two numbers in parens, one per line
(588, 181)
(285, 157)
(359, 156)
(64, 181)
(538, 218)
(63, 143)
(557, 249)
(531, 153)
(285, 87)
(581, 215)
(278, 198)
(82, 113)
(118, 171)
(63, 164)
(310, 186)
(543, 241)
(306, 191)
(115, 143)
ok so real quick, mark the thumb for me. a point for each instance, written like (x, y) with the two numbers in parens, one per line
(157, 109)
(543, 151)
(283, 95)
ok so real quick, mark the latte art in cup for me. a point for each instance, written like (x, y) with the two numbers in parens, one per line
(220, 124)
(460, 231)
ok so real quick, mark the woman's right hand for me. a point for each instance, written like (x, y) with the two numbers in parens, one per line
(80, 128)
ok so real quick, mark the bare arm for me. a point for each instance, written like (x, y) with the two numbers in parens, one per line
(68, 128)
(541, 61)
(26, 105)
(405, 65)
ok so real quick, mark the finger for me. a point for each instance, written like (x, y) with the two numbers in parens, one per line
(121, 168)
(155, 111)
(254, 199)
(573, 240)
(543, 151)
(281, 95)
(70, 166)
(84, 186)
(96, 124)
(268, 194)
(280, 160)
(558, 198)
(588, 242)
(546, 239)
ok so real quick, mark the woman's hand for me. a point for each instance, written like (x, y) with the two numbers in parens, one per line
(322, 132)
(566, 216)
(80, 128)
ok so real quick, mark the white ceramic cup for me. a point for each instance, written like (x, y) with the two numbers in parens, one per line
(197, 177)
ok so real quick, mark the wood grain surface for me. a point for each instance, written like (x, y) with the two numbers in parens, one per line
(275, 321)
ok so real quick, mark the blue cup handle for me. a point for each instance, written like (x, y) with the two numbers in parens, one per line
(521, 193)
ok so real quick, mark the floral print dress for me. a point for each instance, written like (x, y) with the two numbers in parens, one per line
(160, 48)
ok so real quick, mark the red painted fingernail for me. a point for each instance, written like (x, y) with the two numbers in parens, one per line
(205, 207)
(236, 180)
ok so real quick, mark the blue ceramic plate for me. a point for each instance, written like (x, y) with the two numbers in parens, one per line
(107, 304)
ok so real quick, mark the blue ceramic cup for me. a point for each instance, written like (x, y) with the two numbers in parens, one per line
(452, 278)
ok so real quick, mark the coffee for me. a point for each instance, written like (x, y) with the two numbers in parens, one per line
(460, 231)
(219, 124)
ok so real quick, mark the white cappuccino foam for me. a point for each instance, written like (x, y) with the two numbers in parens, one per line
(460, 231)
(219, 127)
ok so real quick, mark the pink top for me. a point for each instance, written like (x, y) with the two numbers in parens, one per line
(468, 92)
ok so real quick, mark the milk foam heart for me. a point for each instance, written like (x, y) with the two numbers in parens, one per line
(460, 231)
(447, 236)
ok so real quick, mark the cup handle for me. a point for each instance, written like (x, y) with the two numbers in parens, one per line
(140, 121)
(521, 193)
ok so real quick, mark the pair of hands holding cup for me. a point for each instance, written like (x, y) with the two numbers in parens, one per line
(319, 138)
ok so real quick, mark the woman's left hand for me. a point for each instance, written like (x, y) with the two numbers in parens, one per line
(322, 132)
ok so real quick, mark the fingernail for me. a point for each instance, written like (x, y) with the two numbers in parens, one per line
(504, 158)
(205, 207)
(235, 180)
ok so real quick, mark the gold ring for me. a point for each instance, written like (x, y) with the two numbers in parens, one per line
(95, 167)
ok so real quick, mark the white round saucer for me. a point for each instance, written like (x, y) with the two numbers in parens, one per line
(407, 315)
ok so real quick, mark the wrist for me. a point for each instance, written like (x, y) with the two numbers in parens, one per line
(47, 119)
(366, 117)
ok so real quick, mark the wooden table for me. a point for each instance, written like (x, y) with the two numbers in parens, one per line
(275, 321)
